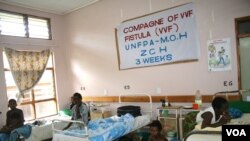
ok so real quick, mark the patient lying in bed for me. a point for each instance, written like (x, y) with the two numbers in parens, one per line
(215, 116)
(214, 133)
(110, 128)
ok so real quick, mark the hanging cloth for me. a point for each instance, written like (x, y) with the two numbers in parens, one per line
(27, 67)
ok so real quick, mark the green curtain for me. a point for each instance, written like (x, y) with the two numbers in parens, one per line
(27, 67)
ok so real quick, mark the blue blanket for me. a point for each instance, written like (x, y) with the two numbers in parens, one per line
(110, 128)
(25, 131)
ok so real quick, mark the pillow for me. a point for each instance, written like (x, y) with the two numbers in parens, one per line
(241, 105)
(235, 113)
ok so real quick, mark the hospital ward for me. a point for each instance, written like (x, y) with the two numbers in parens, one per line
(124, 70)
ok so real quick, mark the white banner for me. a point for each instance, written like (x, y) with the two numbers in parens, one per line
(159, 38)
(219, 55)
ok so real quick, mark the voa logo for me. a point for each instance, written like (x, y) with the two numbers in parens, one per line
(236, 132)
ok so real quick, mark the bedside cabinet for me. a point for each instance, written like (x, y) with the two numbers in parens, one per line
(100, 111)
(169, 116)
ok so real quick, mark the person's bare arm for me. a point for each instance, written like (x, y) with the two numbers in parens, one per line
(207, 120)
(227, 116)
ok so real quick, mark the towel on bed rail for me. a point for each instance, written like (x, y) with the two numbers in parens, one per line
(110, 128)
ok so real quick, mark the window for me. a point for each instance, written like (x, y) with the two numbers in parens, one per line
(244, 27)
(11, 24)
(41, 100)
(15, 24)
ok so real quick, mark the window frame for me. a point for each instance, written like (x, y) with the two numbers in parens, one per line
(26, 25)
(33, 102)
(237, 22)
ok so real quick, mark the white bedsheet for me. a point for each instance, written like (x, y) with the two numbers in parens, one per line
(204, 137)
(43, 132)
(141, 121)
(39, 133)
(61, 137)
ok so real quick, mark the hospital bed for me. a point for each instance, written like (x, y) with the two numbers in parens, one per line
(44, 131)
(106, 129)
(77, 131)
(214, 134)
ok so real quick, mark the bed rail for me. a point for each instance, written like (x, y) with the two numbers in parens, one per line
(234, 91)
(230, 92)
(140, 94)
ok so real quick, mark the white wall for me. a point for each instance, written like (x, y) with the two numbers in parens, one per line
(93, 56)
(56, 45)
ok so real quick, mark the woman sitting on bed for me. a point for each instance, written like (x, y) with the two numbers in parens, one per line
(215, 116)
(80, 110)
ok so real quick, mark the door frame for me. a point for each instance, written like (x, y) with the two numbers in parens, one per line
(238, 36)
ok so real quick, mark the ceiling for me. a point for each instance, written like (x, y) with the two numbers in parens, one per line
(59, 7)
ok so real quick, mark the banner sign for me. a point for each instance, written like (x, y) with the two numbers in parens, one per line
(219, 55)
(163, 37)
